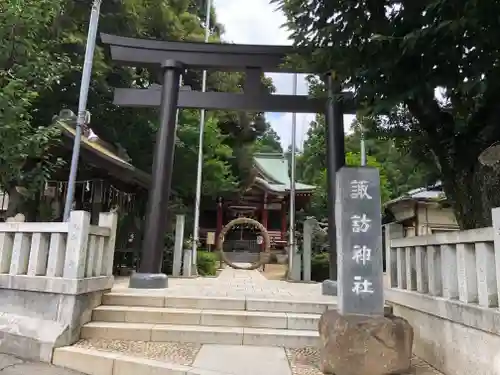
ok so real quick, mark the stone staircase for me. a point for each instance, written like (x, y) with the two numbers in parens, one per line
(189, 319)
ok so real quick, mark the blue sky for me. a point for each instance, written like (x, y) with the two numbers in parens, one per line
(257, 22)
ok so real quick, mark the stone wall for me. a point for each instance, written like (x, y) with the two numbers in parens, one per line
(447, 286)
(455, 338)
(51, 277)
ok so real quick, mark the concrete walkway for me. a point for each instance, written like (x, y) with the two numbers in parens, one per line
(235, 283)
(243, 360)
(10, 365)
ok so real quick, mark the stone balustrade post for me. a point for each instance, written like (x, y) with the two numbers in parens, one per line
(309, 226)
(187, 263)
(495, 217)
(178, 247)
(76, 245)
(392, 232)
(108, 220)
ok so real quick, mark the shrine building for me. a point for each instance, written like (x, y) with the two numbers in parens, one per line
(266, 200)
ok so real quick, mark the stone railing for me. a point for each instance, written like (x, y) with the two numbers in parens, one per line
(447, 285)
(57, 257)
(454, 265)
(51, 277)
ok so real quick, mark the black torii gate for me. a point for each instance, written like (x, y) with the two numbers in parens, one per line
(174, 58)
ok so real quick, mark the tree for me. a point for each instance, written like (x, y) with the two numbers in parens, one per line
(319, 201)
(431, 67)
(42, 60)
(218, 179)
(135, 129)
(269, 141)
(311, 168)
(404, 172)
(28, 65)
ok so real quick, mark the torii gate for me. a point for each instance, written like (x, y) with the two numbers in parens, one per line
(174, 58)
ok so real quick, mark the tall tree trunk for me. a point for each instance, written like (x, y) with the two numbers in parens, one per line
(471, 188)
(472, 192)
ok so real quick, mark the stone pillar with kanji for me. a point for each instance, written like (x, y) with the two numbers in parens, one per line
(360, 338)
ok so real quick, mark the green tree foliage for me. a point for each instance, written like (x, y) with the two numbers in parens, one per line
(218, 178)
(432, 67)
(404, 172)
(41, 61)
(28, 65)
(399, 172)
(320, 198)
(269, 141)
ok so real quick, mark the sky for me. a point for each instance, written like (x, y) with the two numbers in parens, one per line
(257, 22)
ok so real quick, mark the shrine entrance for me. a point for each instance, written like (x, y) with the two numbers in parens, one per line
(264, 244)
(175, 58)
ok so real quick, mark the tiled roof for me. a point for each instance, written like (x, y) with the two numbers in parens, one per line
(273, 168)
(429, 193)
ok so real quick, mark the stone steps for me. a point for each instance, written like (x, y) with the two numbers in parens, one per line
(201, 334)
(206, 320)
(150, 320)
(222, 318)
(218, 303)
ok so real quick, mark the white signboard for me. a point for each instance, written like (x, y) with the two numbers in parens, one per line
(210, 238)
(260, 240)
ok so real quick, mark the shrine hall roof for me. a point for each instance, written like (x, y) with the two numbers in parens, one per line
(100, 156)
(273, 173)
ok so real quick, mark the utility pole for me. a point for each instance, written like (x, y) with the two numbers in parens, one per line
(292, 182)
(82, 105)
(199, 175)
(362, 145)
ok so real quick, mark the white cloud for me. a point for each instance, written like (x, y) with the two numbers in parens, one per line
(257, 22)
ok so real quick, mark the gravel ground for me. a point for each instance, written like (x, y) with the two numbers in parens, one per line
(305, 361)
(173, 352)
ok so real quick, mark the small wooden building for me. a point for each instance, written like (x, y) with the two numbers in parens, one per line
(106, 180)
(422, 211)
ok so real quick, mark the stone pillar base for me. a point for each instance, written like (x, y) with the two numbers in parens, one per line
(194, 270)
(365, 345)
(329, 288)
(148, 281)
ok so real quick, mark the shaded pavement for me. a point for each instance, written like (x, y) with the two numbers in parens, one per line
(10, 365)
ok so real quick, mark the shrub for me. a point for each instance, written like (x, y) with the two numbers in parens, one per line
(207, 263)
(320, 266)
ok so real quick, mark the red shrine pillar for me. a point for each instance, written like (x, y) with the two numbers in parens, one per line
(219, 218)
(283, 221)
(265, 214)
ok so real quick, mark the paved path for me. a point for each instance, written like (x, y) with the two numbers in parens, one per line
(10, 365)
(243, 360)
(237, 283)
